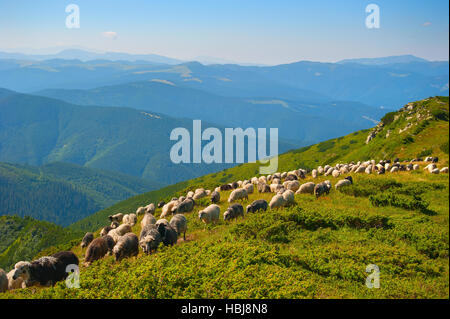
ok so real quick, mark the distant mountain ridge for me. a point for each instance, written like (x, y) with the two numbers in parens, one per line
(407, 58)
(388, 85)
(83, 55)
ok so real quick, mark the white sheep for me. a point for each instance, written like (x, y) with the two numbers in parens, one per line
(116, 233)
(275, 187)
(360, 169)
(169, 207)
(237, 194)
(289, 197)
(306, 188)
(130, 219)
(147, 220)
(329, 171)
(276, 181)
(292, 185)
(344, 169)
(277, 201)
(150, 208)
(199, 193)
(444, 170)
(249, 188)
(394, 169)
(179, 223)
(15, 283)
(335, 173)
(210, 214)
(342, 182)
(140, 211)
(314, 173)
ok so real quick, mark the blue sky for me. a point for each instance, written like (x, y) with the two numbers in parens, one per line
(253, 31)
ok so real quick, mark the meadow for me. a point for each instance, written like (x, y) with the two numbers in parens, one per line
(316, 248)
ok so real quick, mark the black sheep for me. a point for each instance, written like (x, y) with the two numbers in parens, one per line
(87, 239)
(45, 271)
(233, 211)
(215, 197)
(168, 234)
(161, 204)
(292, 177)
(226, 187)
(185, 206)
(349, 178)
(259, 204)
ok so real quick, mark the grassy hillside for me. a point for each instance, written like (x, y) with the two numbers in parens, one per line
(430, 137)
(23, 238)
(317, 248)
(63, 193)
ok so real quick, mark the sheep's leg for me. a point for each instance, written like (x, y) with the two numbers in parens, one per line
(184, 236)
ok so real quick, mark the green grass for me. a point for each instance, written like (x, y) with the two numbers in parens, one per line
(317, 248)
(314, 249)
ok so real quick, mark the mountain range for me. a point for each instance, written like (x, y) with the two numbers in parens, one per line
(392, 82)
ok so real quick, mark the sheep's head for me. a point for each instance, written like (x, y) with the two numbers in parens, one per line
(118, 252)
(114, 224)
(202, 215)
(149, 242)
(22, 270)
(248, 208)
(227, 215)
(162, 229)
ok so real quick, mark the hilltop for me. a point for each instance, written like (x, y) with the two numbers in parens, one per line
(317, 248)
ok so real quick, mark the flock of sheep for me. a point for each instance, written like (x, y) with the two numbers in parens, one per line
(117, 239)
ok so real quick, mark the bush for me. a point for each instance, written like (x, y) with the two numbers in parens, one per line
(424, 153)
(324, 146)
(365, 188)
(403, 201)
(440, 115)
(444, 147)
(407, 140)
(388, 118)
(421, 127)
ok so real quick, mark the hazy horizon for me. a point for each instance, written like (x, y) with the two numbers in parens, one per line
(254, 32)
